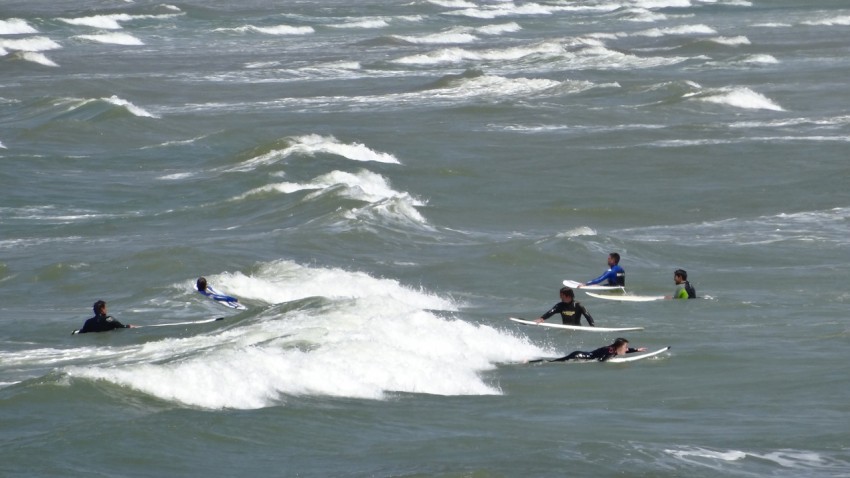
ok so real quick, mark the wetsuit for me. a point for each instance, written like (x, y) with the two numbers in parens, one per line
(601, 354)
(615, 276)
(215, 296)
(101, 323)
(685, 291)
(571, 313)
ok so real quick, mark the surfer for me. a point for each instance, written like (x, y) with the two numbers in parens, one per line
(101, 322)
(207, 291)
(615, 275)
(684, 289)
(570, 310)
(619, 347)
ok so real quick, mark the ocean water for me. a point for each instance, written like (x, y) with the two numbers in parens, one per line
(383, 184)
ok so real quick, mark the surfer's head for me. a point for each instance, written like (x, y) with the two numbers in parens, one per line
(99, 307)
(567, 293)
(620, 345)
(613, 259)
(202, 284)
(681, 275)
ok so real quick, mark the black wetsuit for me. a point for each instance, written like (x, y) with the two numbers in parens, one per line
(571, 313)
(101, 323)
(601, 354)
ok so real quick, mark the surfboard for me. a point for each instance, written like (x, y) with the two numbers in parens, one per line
(575, 285)
(223, 299)
(191, 322)
(636, 356)
(627, 298)
(576, 327)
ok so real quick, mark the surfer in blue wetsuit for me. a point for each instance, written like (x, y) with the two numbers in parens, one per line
(619, 347)
(570, 310)
(615, 275)
(101, 322)
(203, 288)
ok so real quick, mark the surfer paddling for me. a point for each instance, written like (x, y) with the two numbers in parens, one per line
(614, 276)
(208, 291)
(101, 322)
(570, 310)
(619, 347)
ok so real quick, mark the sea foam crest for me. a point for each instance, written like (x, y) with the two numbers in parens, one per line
(682, 30)
(312, 144)
(271, 30)
(15, 26)
(113, 21)
(29, 44)
(135, 110)
(35, 57)
(843, 20)
(738, 97)
(372, 337)
(112, 38)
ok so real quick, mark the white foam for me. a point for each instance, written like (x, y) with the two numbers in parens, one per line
(272, 30)
(738, 97)
(112, 38)
(682, 30)
(2, 146)
(372, 337)
(113, 21)
(312, 144)
(499, 29)
(36, 57)
(578, 231)
(135, 110)
(457, 35)
(731, 41)
(364, 23)
(33, 44)
(842, 20)
(15, 26)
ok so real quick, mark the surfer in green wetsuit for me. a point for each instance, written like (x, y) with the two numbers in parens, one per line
(570, 310)
(684, 289)
(101, 322)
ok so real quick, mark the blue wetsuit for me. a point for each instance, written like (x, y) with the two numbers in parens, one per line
(615, 276)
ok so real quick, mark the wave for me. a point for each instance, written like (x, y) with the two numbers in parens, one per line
(272, 30)
(112, 21)
(842, 20)
(816, 227)
(33, 57)
(15, 26)
(32, 44)
(326, 332)
(133, 109)
(738, 97)
(112, 38)
(312, 144)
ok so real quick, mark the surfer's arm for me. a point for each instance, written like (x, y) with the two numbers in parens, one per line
(587, 316)
(549, 313)
(606, 275)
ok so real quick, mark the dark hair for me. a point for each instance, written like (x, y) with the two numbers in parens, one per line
(98, 306)
(569, 292)
(619, 342)
(616, 257)
(681, 273)
(201, 284)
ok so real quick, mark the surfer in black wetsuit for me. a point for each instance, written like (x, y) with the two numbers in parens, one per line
(570, 310)
(101, 322)
(619, 347)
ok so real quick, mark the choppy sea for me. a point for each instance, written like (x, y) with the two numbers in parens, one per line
(382, 184)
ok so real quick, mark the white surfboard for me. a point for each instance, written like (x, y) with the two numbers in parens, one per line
(636, 356)
(575, 285)
(627, 298)
(577, 327)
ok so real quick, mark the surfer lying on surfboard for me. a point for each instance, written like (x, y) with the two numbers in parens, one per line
(619, 347)
(213, 294)
(570, 310)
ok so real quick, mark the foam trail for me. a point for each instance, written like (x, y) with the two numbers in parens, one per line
(310, 145)
(15, 26)
(112, 38)
(129, 106)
